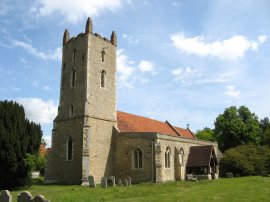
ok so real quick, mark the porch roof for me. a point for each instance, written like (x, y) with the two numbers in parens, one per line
(200, 156)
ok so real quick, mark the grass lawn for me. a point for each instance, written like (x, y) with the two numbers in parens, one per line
(233, 189)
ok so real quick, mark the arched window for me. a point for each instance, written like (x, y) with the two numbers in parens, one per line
(181, 156)
(168, 158)
(102, 78)
(138, 158)
(69, 148)
(73, 78)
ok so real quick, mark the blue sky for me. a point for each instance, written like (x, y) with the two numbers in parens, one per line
(181, 61)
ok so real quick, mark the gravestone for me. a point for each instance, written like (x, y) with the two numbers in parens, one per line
(229, 175)
(91, 181)
(119, 183)
(40, 198)
(104, 182)
(129, 181)
(5, 196)
(125, 182)
(24, 197)
(111, 181)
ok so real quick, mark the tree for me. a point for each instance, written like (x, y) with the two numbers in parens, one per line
(246, 160)
(206, 134)
(265, 131)
(17, 137)
(236, 127)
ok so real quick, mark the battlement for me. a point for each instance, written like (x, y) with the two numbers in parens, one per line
(88, 30)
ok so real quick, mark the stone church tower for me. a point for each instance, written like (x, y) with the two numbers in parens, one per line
(82, 132)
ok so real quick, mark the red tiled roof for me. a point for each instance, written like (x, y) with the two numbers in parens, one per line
(132, 123)
(184, 132)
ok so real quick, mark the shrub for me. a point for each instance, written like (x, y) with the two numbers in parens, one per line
(246, 160)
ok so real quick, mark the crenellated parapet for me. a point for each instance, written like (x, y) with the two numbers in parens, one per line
(89, 30)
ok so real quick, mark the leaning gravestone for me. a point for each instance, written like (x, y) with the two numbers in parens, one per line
(111, 181)
(24, 197)
(119, 183)
(40, 198)
(91, 181)
(104, 182)
(5, 196)
(129, 181)
(125, 182)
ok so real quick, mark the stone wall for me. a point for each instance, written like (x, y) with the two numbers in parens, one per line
(66, 171)
(153, 146)
(176, 171)
(125, 145)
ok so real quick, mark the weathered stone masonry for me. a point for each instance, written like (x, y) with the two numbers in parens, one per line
(90, 137)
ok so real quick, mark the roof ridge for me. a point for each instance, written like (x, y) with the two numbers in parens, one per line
(192, 133)
(140, 116)
(173, 128)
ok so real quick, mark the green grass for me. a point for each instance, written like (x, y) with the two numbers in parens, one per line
(234, 189)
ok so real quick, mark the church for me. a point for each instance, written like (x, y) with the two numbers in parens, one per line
(90, 137)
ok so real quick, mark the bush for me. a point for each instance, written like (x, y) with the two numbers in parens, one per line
(36, 163)
(246, 160)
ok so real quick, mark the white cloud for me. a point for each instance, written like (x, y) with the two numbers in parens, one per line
(55, 55)
(79, 9)
(124, 68)
(186, 75)
(130, 39)
(232, 92)
(229, 49)
(146, 66)
(38, 110)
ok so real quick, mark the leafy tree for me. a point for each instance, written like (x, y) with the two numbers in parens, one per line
(265, 131)
(17, 137)
(236, 127)
(246, 160)
(206, 134)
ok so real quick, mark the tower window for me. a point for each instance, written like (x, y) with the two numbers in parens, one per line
(137, 158)
(69, 148)
(103, 53)
(74, 56)
(168, 158)
(71, 112)
(102, 78)
(73, 78)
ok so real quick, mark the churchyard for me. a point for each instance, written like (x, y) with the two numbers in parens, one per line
(255, 188)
